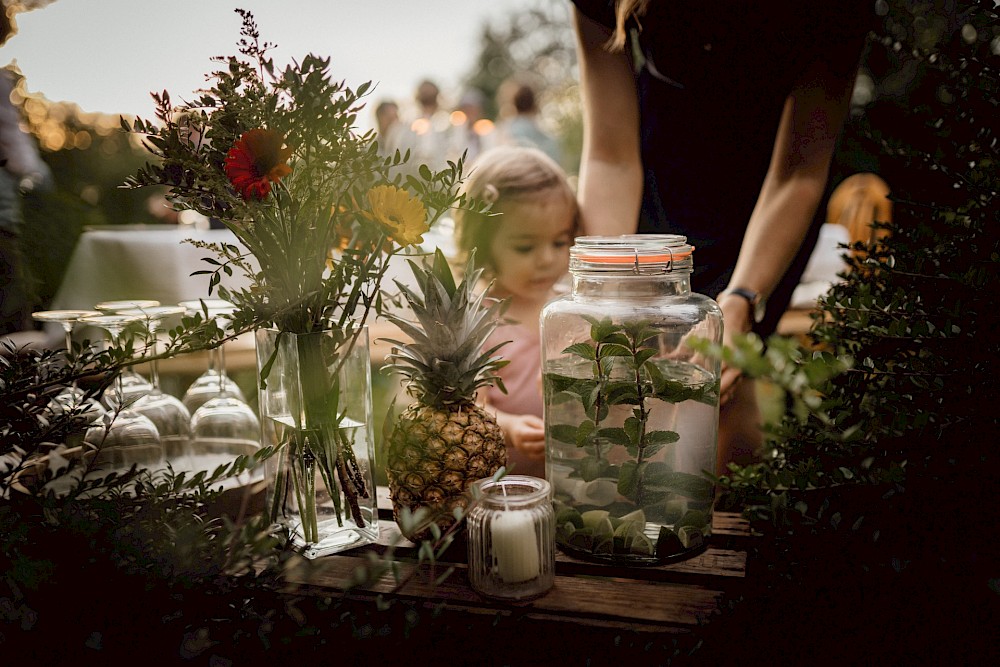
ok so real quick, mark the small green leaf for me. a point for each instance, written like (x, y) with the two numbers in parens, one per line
(615, 436)
(591, 399)
(615, 350)
(642, 356)
(601, 330)
(563, 433)
(650, 450)
(662, 437)
(583, 433)
(621, 393)
(628, 479)
(632, 428)
(584, 350)
(444, 576)
(557, 383)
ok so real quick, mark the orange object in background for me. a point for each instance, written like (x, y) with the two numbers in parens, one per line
(856, 203)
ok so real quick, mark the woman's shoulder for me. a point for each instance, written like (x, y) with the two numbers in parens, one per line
(601, 11)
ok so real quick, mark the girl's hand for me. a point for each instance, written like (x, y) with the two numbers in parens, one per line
(526, 434)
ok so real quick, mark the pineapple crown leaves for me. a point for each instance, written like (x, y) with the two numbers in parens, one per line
(445, 362)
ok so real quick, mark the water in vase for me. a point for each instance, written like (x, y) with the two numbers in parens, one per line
(322, 522)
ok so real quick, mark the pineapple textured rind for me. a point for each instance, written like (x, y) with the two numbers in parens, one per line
(434, 457)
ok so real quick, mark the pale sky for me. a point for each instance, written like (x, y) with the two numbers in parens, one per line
(107, 55)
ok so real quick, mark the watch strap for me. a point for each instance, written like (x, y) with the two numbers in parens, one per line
(757, 307)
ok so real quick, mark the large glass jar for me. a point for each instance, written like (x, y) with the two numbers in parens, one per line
(631, 411)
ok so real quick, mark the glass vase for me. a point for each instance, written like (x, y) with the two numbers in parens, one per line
(316, 411)
(631, 410)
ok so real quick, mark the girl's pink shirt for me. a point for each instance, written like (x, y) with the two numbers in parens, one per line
(523, 379)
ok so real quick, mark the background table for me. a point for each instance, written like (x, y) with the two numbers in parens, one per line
(141, 262)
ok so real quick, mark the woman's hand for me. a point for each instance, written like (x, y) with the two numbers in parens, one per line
(736, 321)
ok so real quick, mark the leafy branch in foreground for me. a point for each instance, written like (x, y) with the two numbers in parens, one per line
(422, 521)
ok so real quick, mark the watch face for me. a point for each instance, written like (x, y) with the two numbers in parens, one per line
(759, 309)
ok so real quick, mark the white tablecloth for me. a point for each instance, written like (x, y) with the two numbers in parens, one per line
(140, 263)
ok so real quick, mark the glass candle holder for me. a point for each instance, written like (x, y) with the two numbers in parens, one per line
(511, 538)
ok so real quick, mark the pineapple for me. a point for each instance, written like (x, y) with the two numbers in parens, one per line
(443, 442)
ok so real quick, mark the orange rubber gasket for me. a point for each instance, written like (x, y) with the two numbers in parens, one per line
(632, 259)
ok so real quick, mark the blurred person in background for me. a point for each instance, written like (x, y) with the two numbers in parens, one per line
(22, 171)
(519, 124)
(387, 127)
(471, 133)
(426, 136)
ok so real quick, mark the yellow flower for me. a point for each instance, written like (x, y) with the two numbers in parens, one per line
(403, 216)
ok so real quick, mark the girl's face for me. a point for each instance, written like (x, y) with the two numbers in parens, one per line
(530, 251)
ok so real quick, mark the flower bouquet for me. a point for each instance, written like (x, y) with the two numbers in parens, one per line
(274, 155)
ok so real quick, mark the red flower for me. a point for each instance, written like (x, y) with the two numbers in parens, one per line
(256, 160)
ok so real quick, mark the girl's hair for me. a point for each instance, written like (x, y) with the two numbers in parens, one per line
(503, 177)
(624, 10)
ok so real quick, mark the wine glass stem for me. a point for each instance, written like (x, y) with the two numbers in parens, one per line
(68, 328)
(213, 361)
(221, 358)
(154, 369)
(119, 386)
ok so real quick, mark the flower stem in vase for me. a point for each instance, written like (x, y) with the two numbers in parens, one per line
(307, 496)
(324, 439)
(351, 477)
(322, 421)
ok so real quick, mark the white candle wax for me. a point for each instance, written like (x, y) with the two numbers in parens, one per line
(515, 546)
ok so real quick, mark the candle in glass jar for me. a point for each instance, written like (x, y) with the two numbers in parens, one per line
(515, 546)
(511, 538)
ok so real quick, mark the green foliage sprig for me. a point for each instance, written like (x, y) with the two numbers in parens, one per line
(629, 347)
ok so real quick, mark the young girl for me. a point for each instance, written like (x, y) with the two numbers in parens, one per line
(523, 245)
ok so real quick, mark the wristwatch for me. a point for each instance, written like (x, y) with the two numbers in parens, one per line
(757, 303)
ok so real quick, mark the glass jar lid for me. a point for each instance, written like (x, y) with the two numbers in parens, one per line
(637, 254)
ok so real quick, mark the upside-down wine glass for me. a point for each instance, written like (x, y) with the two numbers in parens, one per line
(206, 386)
(70, 397)
(133, 384)
(172, 418)
(224, 427)
(130, 438)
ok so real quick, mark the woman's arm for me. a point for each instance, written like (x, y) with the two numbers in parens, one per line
(610, 189)
(796, 179)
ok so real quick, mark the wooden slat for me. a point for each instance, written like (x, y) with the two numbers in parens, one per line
(730, 523)
(572, 598)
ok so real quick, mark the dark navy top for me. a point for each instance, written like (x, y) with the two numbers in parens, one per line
(712, 79)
